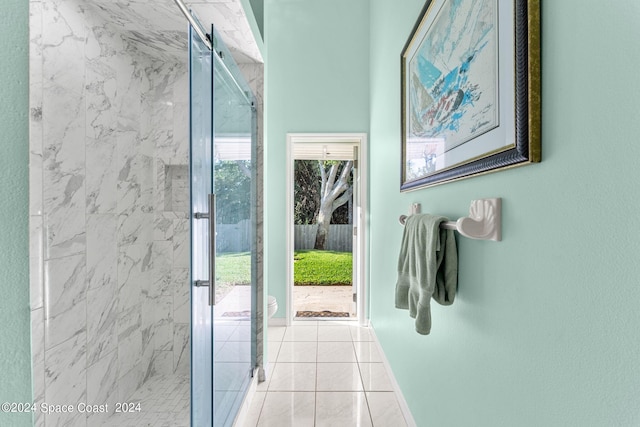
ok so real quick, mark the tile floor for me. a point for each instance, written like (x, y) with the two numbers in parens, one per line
(324, 373)
(164, 402)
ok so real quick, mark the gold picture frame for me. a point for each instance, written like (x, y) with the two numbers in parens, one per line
(470, 90)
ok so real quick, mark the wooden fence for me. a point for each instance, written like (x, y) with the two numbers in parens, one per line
(237, 237)
(233, 237)
(340, 237)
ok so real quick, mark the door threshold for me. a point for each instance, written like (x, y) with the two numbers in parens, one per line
(333, 319)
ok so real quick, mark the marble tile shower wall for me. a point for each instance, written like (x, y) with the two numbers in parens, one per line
(108, 211)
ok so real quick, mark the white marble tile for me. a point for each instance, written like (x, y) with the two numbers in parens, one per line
(375, 377)
(135, 176)
(255, 408)
(161, 364)
(63, 49)
(135, 228)
(288, 409)
(242, 332)
(102, 387)
(273, 350)
(102, 250)
(63, 179)
(63, 173)
(35, 163)
(181, 244)
(65, 233)
(235, 351)
(222, 332)
(385, 410)
(304, 322)
(163, 225)
(301, 333)
(342, 409)
(276, 333)
(298, 352)
(148, 334)
(63, 176)
(336, 352)
(129, 339)
(36, 262)
(162, 253)
(230, 376)
(160, 194)
(334, 333)
(35, 109)
(182, 348)
(293, 377)
(129, 382)
(367, 351)
(181, 130)
(100, 90)
(339, 377)
(66, 378)
(65, 299)
(102, 322)
(134, 266)
(181, 295)
(102, 175)
(163, 322)
(129, 100)
(37, 360)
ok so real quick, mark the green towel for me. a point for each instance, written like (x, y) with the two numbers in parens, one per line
(427, 267)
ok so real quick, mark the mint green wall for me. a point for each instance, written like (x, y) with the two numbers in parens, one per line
(545, 330)
(258, 12)
(15, 357)
(317, 80)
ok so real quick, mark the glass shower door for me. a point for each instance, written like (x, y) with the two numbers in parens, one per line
(234, 181)
(223, 231)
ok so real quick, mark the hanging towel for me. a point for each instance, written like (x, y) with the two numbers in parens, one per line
(427, 267)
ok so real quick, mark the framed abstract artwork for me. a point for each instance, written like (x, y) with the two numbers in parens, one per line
(470, 90)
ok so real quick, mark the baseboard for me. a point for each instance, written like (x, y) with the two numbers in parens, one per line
(277, 321)
(401, 401)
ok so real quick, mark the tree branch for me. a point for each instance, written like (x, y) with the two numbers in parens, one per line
(242, 165)
(342, 199)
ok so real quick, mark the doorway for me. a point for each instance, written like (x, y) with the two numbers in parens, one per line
(326, 202)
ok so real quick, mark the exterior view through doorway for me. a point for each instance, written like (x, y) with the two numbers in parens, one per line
(325, 242)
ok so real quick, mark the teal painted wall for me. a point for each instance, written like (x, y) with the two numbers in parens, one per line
(258, 12)
(545, 330)
(316, 80)
(15, 356)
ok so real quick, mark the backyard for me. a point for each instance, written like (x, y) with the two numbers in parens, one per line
(311, 267)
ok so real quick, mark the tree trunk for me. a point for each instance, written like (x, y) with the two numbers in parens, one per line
(335, 192)
(324, 220)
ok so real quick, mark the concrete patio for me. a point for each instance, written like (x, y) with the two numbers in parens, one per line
(321, 298)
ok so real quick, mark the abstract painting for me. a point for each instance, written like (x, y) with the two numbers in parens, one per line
(459, 88)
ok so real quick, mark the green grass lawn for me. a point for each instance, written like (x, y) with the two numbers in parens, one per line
(312, 267)
(233, 269)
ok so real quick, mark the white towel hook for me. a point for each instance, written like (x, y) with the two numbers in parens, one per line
(484, 220)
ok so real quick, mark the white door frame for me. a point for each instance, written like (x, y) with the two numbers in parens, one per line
(361, 251)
